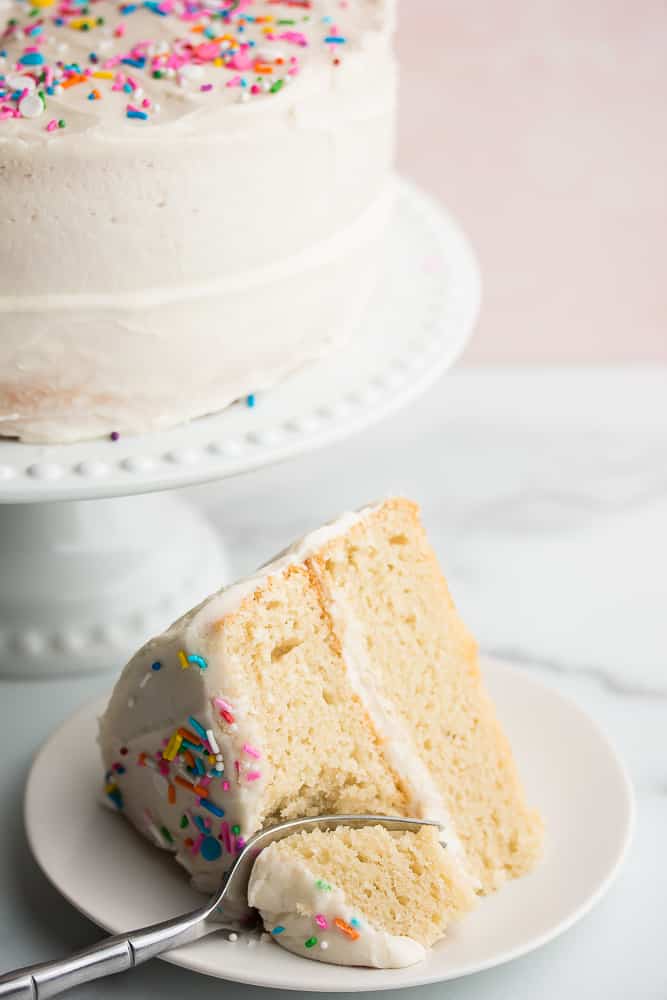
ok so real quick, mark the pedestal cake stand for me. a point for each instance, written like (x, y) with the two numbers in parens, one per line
(90, 569)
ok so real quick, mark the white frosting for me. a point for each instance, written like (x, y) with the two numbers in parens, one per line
(147, 706)
(289, 897)
(201, 248)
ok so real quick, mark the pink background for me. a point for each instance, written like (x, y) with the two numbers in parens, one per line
(543, 127)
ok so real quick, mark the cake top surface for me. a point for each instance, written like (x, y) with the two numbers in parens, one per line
(73, 66)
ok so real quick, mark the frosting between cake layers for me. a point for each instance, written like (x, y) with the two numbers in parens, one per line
(289, 896)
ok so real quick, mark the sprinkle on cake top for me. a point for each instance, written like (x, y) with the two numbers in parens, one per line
(146, 61)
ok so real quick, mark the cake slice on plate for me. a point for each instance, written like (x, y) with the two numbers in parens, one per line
(358, 897)
(340, 679)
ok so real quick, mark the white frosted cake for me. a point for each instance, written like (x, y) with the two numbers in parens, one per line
(193, 196)
(340, 679)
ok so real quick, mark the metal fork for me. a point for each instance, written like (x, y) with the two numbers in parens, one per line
(124, 951)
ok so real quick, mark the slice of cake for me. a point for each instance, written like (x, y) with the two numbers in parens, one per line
(340, 679)
(358, 897)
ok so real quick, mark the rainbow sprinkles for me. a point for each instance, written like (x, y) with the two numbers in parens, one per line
(57, 54)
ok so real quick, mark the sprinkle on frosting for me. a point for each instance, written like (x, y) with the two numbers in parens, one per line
(190, 765)
(250, 49)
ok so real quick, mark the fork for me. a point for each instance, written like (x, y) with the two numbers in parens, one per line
(125, 951)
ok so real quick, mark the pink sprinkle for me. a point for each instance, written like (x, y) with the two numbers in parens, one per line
(132, 82)
(226, 836)
(321, 921)
(235, 81)
(255, 89)
(197, 844)
(295, 37)
(206, 86)
(226, 786)
(205, 782)
(119, 30)
(240, 60)
(146, 103)
(251, 751)
(240, 844)
(253, 775)
(110, 63)
(221, 703)
(207, 51)
(132, 107)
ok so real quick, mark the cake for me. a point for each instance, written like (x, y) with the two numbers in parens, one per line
(193, 198)
(340, 679)
(358, 897)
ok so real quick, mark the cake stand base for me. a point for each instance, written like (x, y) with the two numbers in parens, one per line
(85, 583)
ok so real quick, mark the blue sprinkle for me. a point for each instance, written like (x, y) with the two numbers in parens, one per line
(278, 929)
(354, 922)
(199, 660)
(212, 808)
(156, 666)
(137, 63)
(335, 40)
(137, 114)
(187, 745)
(200, 824)
(210, 849)
(197, 726)
(199, 766)
(250, 400)
(31, 59)
(127, 87)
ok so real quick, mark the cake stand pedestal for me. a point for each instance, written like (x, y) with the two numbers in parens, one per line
(91, 569)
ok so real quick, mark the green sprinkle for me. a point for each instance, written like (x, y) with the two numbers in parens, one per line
(61, 123)
(167, 836)
(236, 829)
(278, 85)
(324, 886)
(184, 822)
(311, 942)
(157, 74)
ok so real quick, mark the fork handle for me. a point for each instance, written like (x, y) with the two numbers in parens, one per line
(113, 954)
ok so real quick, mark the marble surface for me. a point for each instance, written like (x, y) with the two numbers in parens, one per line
(545, 494)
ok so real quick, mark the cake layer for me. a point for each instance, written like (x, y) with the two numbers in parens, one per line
(201, 143)
(357, 897)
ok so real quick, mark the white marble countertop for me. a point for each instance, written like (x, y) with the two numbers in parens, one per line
(545, 494)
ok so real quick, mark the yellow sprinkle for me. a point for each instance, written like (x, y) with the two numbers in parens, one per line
(82, 22)
(218, 62)
(103, 74)
(41, 3)
(173, 746)
(184, 660)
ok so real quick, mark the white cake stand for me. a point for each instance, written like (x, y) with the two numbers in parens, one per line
(83, 583)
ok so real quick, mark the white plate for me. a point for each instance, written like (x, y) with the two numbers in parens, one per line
(570, 771)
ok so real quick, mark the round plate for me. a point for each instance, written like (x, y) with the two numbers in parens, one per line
(113, 876)
(423, 312)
